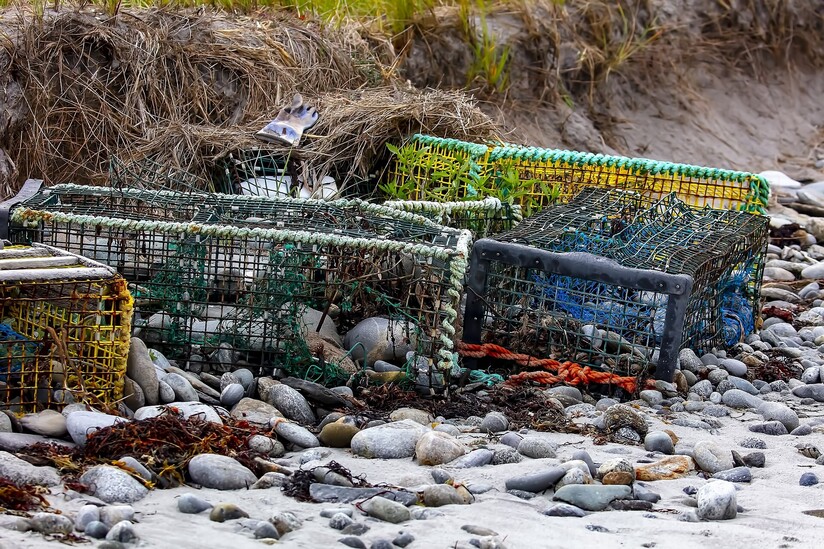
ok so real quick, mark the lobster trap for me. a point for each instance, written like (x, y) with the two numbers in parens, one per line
(213, 272)
(64, 330)
(443, 170)
(609, 282)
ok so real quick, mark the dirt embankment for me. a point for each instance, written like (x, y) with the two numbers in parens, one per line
(730, 84)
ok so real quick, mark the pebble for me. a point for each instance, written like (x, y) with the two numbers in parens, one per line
(689, 361)
(387, 510)
(285, 522)
(494, 422)
(112, 514)
(266, 530)
(340, 521)
(736, 398)
(414, 414)
(641, 492)
(330, 512)
(438, 495)
(774, 428)
(270, 480)
(403, 539)
(255, 411)
(753, 443)
(734, 367)
(266, 446)
(139, 367)
(51, 523)
(112, 484)
(339, 433)
(475, 458)
(743, 385)
(96, 530)
(659, 441)
(184, 392)
(482, 531)
(669, 468)
(808, 479)
(505, 455)
(564, 510)
(192, 504)
(220, 472)
(291, 404)
(776, 411)
(21, 472)
(717, 501)
(296, 434)
(536, 447)
(166, 394)
(358, 528)
(81, 424)
(755, 459)
(226, 511)
(436, 448)
(351, 541)
(48, 423)
(591, 497)
(736, 474)
(441, 476)
(583, 455)
(711, 457)
(123, 532)
(232, 394)
(85, 515)
(814, 391)
(536, 482)
(380, 339)
(395, 440)
(802, 430)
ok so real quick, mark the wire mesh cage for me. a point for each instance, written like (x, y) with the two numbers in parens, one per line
(214, 270)
(65, 329)
(608, 282)
(431, 168)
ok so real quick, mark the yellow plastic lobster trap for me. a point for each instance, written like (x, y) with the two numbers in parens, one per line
(436, 169)
(64, 329)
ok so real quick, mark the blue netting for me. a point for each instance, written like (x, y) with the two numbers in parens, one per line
(14, 349)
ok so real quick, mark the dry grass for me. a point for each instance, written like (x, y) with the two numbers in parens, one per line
(182, 82)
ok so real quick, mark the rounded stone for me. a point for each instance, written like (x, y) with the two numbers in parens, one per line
(51, 523)
(717, 501)
(192, 504)
(123, 532)
(96, 530)
(494, 422)
(265, 445)
(418, 416)
(436, 448)
(86, 514)
(226, 511)
(112, 484)
(620, 415)
(438, 495)
(711, 457)
(112, 514)
(808, 479)
(266, 530)
(339, 433)
(184, 392)
(232, 394)
(617, 465)
(291, 404)
(339, 521)
(141, 369)
(48, 423)
(220, 472)
(396, 440)
(166, 394)
(537, 447)
(296, 434)
(659, 441)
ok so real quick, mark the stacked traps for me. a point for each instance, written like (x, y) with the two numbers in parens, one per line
(64, 330)
(608, 282)
(438, 169)
(255, 276)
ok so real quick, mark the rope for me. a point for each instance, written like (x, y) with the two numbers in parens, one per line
(565, 372)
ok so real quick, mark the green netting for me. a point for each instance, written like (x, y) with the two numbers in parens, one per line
(244, 271)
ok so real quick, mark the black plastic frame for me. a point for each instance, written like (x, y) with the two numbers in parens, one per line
(579, 265)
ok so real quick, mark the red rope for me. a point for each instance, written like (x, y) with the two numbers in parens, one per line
(564, 372)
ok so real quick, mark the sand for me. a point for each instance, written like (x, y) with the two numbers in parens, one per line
(773, 503)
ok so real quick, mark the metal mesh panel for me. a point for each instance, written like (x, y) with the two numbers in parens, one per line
(239, 270)
(573, 281)
(64, 330)
(447, 170)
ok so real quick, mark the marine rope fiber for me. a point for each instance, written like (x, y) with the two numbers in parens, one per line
(566, 372)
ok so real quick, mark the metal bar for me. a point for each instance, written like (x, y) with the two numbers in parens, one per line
(30, 188)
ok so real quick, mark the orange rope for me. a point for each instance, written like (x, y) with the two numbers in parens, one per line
(565, 372)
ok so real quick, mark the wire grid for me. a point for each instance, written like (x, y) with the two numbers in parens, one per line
(621, 328)
(156, 174)
(482, 217)
(92, 320)
(444, 169)
(245, 270)
(256, 172)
